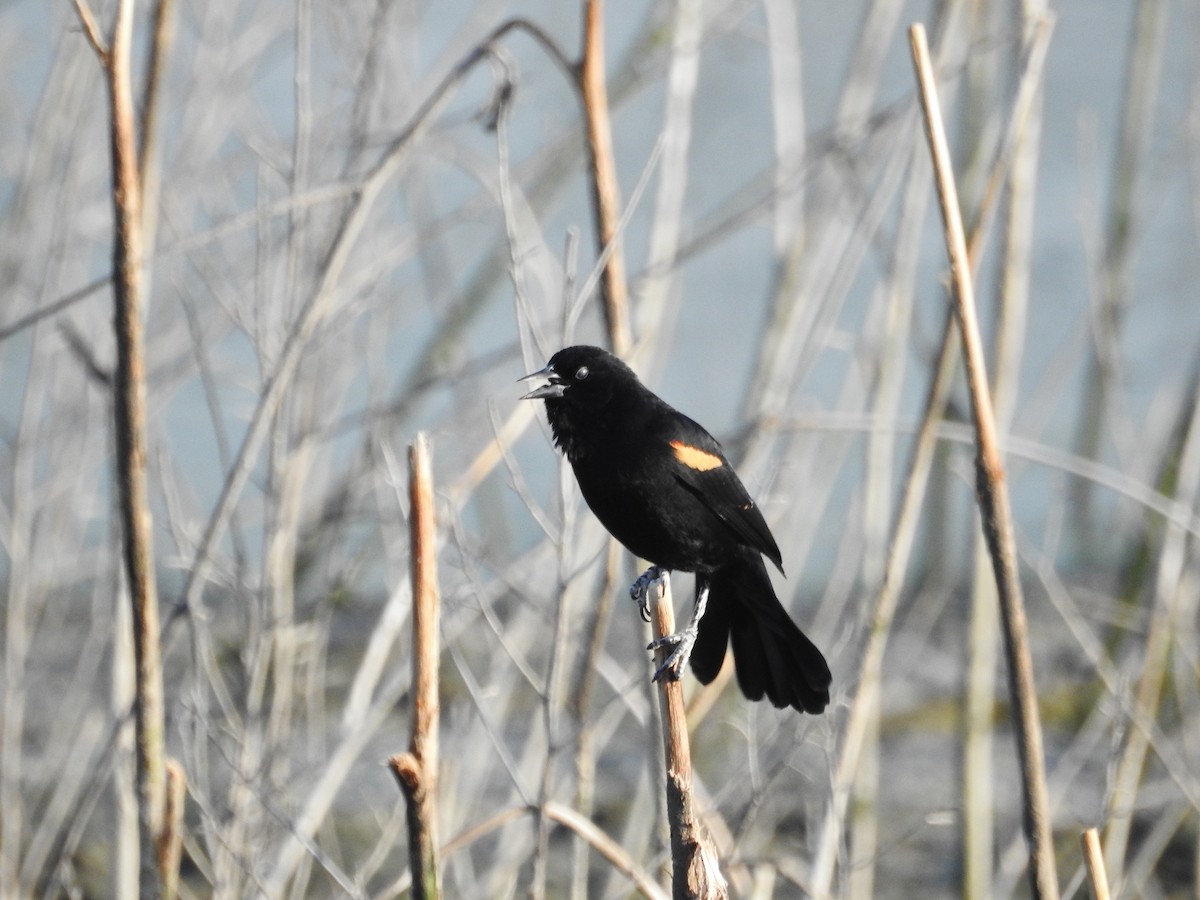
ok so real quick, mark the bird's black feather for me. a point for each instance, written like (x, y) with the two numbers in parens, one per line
(664, 488)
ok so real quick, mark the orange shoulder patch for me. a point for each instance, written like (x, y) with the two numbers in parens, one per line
(694, 457)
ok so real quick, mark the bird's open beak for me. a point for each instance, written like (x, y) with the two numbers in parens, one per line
(552, 390)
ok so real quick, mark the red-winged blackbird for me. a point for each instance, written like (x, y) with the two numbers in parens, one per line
(662, 487)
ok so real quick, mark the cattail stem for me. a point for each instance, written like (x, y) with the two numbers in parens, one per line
(416, 770)
(695, 867)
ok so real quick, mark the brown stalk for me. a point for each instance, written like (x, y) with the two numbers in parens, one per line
(129, 412)
(695, 867)
(170, 840)
(886, 601)
(1017, 164)
(992, 495)
(605, 193)
(417, 770)
(1093, 858)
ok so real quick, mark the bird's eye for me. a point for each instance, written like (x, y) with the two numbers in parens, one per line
(581, 373)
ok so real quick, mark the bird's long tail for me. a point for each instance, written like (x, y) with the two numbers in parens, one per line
(773, 657)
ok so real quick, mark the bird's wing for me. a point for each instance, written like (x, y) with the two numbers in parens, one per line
(700, 465)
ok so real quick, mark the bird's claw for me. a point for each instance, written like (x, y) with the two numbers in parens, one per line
(673, 665)
(682, 641)
(639, 591)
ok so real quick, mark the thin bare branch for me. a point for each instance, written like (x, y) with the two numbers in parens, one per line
(417, 770)
(130, 429)
(92, 30)
(1093, 858)
(606, 198)
(993, 496)
(696, 870)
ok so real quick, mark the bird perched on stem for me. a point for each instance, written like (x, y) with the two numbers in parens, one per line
(663, 487)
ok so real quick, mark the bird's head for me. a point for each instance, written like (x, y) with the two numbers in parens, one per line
(582, 376)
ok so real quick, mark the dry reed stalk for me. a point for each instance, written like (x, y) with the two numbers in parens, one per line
(581, 702)
(605, 192)
(870, 668)
(1093, 858)
(1022, 145)
(695, 868)
(1172, 584)
(552, 695)
(1113, 262)
(992, 496)
(170, 841)
(149, 168)
(857, 726)
(659, 292)
(417, 770)
(571, 819)
(129, 411)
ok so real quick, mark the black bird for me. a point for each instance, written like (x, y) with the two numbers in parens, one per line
(663, 487)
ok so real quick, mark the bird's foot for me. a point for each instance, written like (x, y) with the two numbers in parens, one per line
(639, 591)
(682, 641)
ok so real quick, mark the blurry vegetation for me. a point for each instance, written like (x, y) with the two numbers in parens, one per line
(362, 225)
